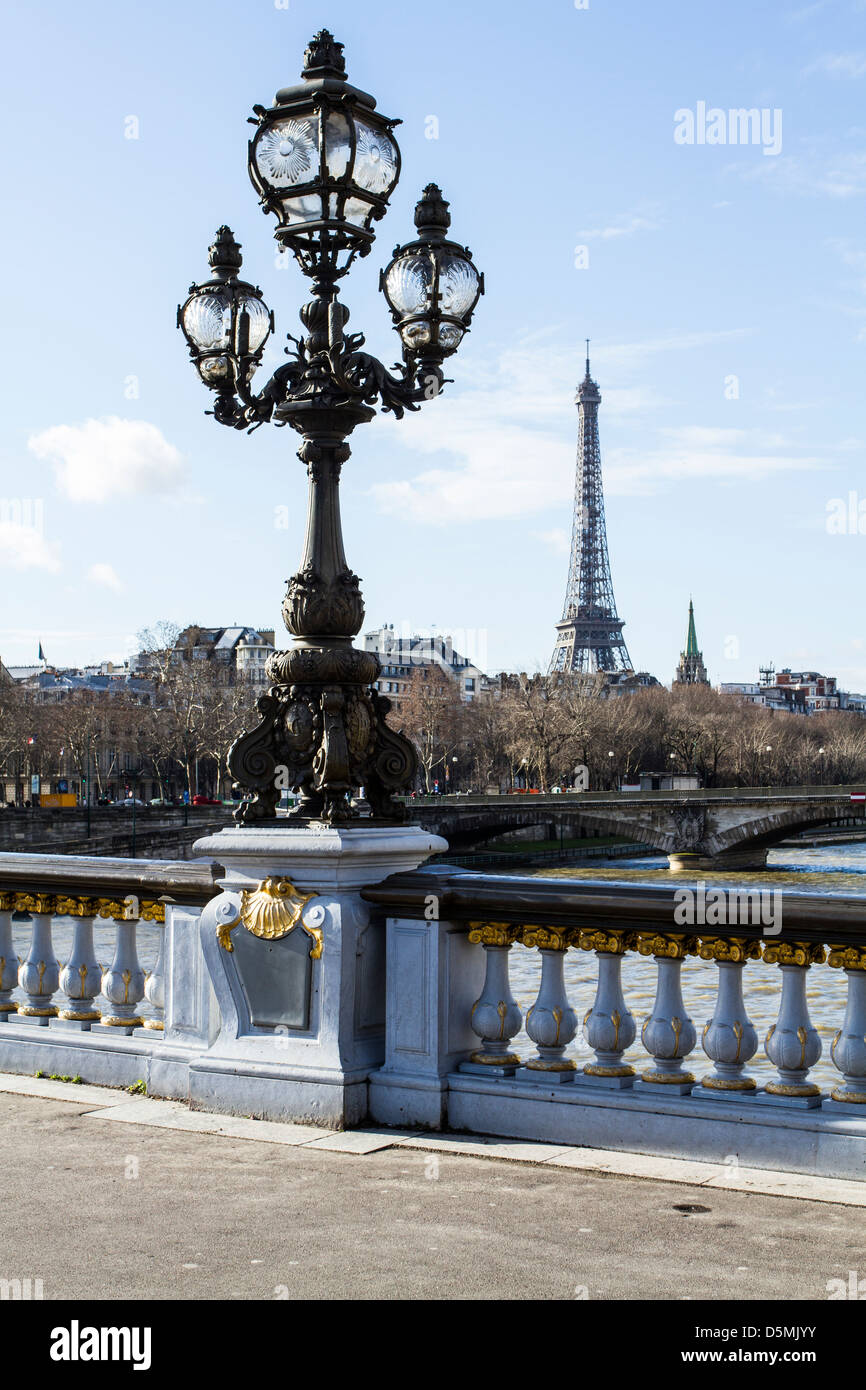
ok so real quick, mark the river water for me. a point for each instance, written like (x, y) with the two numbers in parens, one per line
(832, 868)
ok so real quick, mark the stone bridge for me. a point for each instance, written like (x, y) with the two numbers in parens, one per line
(720, 828)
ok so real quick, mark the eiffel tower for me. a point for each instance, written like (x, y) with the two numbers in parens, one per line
(589, 637)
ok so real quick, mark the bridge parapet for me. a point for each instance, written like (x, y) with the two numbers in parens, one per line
(584, 1083)
(101, 1023)
(440, 1023)
(696, 830)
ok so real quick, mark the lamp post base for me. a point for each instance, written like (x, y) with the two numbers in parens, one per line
(298, 968)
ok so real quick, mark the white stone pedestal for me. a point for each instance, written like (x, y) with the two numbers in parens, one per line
(302, 1014)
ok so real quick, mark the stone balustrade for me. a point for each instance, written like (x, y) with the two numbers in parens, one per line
(257, 996)
(668, 1036)
(66, 995)
(100, 1020)
(663, 1083)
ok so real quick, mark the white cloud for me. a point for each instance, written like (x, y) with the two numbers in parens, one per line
(504, 448)
(106, 576)
(623, 354)
(25, 548)
(626, 224)
(840, 64)
(556, 540)
(110, 458)
(632, 472)
(829, 175)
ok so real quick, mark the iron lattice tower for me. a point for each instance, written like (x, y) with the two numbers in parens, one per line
(590, 634)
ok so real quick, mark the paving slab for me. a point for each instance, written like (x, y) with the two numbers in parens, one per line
(44, 1087)
(360, 1141)
(637, 1165)
(803, 1185)
(174, 1114)
(517, 1150)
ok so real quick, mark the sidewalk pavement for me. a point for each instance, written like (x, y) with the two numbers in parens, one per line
(107, 1197)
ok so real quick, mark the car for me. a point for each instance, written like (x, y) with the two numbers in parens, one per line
(129, 801)
(200, 800)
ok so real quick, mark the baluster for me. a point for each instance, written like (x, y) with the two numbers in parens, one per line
(154, 984)
(81, 977)
(848, 1048)
(551, 1021)
(8, 959)
(39, 974)
(792, 1044)
(609, 1025)
(495, 1014)
(123, 981)
(730, 1039)
(668, 1034)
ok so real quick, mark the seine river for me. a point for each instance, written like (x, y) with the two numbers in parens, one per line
(833, 868)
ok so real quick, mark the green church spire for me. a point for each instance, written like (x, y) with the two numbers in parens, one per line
(692, 639)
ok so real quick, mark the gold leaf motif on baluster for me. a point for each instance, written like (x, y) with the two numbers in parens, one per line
(612, 942)
(33, 902)
(731, 949)
(543, 938)
(7, 902)
(669, 946)
(847, 957)
(152, 911)
(110, 907)
(801, 953)
(493, 933)
(73, 907)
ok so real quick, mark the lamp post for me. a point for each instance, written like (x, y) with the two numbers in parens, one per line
(133, 775)
(325, 162)
(768, 750)
(610, 768)
(821, 756)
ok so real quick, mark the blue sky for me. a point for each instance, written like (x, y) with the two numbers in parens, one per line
(725, 294)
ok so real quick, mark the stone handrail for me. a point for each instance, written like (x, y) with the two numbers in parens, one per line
(465, 897)
(450, 936)
(97, 877)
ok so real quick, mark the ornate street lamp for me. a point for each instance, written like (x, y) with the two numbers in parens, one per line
(325, 162)
(225, 321)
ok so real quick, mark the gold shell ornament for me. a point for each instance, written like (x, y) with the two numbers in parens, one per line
(273, 909)
(270, 911)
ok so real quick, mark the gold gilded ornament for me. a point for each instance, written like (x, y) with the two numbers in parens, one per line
(273, 909)
(493, 933)
(847, 958)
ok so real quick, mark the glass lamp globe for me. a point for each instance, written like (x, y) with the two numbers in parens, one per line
(325, 162)
(225, 321)
(431, 285)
